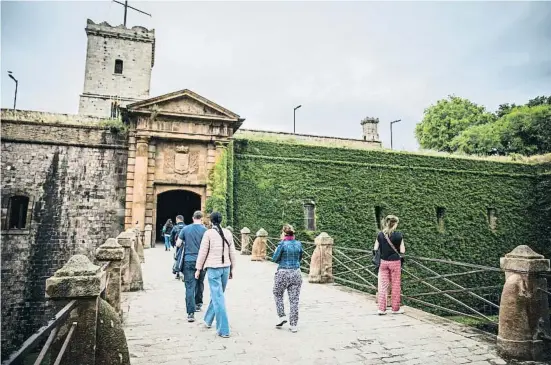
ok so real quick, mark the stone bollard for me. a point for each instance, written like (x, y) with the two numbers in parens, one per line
(113, 253)
(321, 265)
(147, 241)
(259, 245)
(131, 278)
(81, 280)
(138, 243)
(245, 241)
(524, 309)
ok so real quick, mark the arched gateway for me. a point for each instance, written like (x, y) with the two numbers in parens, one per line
(174, 142)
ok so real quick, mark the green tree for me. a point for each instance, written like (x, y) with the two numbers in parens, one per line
(446, 119)
(483, 139)
(527, 130)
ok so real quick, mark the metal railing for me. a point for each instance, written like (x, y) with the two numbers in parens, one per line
(437, 285)
(48, 333)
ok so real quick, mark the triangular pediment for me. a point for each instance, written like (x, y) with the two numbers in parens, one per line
(183, 103)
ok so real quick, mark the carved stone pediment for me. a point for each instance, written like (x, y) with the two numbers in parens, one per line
(184, 103)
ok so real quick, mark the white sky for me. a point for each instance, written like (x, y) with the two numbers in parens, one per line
(341, 60)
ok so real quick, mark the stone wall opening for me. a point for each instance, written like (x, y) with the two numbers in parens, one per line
(175, 202)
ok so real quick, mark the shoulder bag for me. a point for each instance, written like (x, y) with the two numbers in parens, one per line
(402, 259)
(376, 260)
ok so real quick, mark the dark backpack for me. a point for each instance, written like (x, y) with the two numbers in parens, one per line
(175, 232)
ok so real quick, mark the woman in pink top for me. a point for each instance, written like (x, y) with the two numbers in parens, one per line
(217, 256)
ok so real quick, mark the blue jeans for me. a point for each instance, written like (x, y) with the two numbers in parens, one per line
(194, 287)
(218, 279)
(167, 241)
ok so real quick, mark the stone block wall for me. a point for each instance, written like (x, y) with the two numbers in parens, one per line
(74, 174)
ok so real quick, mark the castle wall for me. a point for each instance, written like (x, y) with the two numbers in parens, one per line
(74, 174)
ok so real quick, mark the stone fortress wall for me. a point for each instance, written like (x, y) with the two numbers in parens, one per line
(73, 173)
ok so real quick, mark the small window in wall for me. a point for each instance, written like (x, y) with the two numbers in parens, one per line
(17, 212)
(310, 216)
(492, 219)
(118, 66)
(440, 213)
(379, 216)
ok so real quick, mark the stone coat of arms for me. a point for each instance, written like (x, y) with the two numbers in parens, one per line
(185, 162)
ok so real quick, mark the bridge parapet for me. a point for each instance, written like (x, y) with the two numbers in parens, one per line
(131, 268)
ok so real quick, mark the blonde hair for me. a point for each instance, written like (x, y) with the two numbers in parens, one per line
(288, 230)
(391, 222)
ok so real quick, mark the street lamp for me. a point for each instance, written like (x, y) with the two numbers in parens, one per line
(16, 83)
(294, 118)
(391, 123)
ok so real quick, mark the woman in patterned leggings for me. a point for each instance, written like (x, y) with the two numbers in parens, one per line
(288, 277)
(391, 244)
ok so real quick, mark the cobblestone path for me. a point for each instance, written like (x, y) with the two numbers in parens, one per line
(337, 326)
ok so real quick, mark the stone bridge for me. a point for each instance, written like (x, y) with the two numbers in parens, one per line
(337, 325)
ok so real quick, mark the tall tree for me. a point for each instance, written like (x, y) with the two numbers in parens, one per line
(446, 119)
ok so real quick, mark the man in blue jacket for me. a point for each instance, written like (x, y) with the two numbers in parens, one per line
(190, 240)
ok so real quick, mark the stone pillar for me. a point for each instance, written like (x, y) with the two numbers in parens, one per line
(148, 242)
(321, 265)
(113, 253)
(131, 278)
(138, 243)
(259, 245)
(140, 182)
(524, 308)
(81, 280)
(245, 241)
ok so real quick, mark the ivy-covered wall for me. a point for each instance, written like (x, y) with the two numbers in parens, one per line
(221, 181)
(350, 187)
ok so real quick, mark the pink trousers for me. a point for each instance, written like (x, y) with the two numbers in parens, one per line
(389, 275)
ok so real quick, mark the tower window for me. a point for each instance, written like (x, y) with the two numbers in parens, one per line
(115, 109)
(17, 212)
(310, 216)
(118, 66)
(440, 213)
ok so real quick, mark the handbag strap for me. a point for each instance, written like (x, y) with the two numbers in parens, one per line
(391, 245)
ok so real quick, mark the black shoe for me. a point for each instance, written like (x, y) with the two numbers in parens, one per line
(191, 317)
(198, 307)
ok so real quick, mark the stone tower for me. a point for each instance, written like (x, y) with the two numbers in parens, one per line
(118, 68)
(370, 132)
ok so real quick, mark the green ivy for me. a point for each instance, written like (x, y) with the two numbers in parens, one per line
(218, 181)
(115, 126)
(272, 180)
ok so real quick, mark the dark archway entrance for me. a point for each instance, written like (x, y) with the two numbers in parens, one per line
(175, 202)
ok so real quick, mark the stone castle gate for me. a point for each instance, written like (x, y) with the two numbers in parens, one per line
(175, 141)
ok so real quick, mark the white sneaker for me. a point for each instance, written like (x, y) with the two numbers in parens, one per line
(399, 311)
(381, 313)
(281, 321)
(293, 329)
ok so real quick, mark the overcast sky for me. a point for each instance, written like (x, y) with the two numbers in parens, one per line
(341, 60)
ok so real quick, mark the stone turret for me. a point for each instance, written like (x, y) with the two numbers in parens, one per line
(370, 129)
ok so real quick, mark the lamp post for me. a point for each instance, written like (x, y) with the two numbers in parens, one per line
(391, 123)
(16, 84)
(294, 118)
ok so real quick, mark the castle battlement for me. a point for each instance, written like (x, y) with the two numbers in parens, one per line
(136, 33)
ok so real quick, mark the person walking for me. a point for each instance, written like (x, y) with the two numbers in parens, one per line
(167, 229)
(288, 255)
(190, 239)
(173, 237)
(217, 255)
(391, 244)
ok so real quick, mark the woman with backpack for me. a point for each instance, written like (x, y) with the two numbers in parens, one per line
(167, 228)
(391, 245)
(217, 256)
